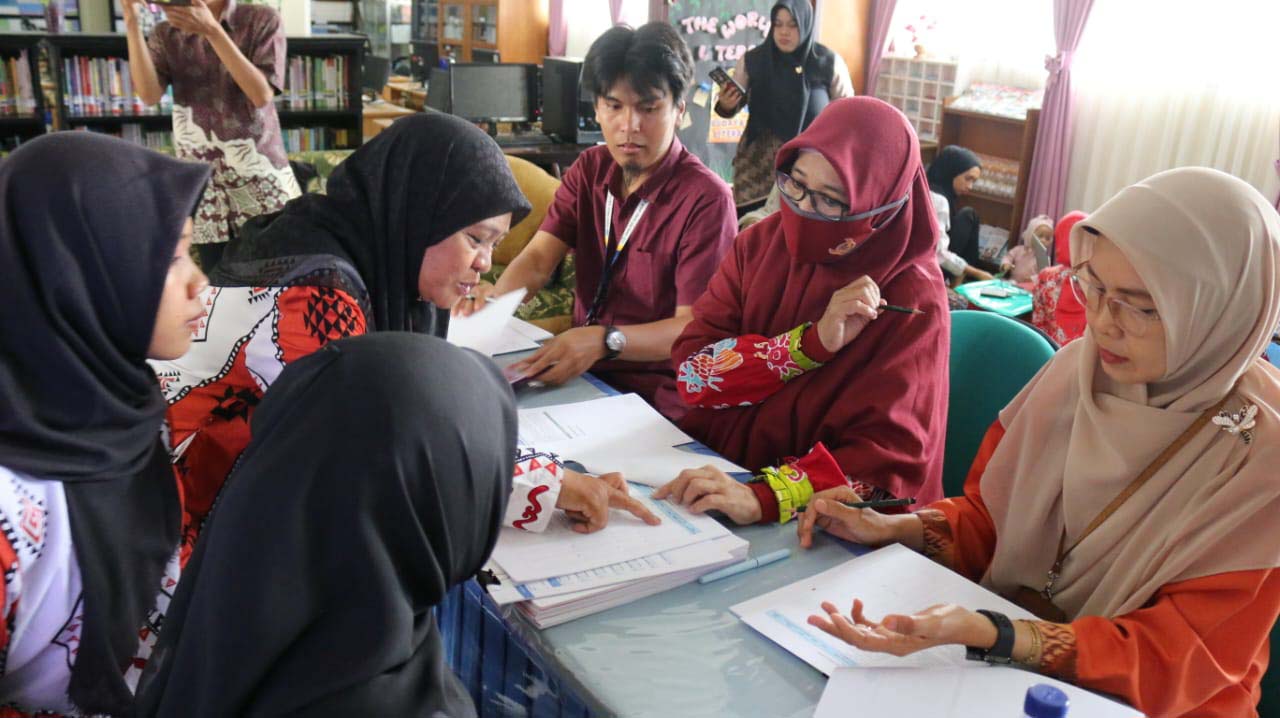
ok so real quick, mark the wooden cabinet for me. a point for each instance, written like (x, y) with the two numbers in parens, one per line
(472, 30)
(1007, 143)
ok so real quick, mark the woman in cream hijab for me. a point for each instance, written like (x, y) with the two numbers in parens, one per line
(1128, 495)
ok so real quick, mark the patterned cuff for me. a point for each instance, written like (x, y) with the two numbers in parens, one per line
(536, 488)
(811, 345)
(791, 489)
(1058, 651)
(939, 543)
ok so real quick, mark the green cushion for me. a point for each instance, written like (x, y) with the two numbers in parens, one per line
(992, 358)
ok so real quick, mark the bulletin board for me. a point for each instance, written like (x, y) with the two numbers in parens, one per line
(718, 32)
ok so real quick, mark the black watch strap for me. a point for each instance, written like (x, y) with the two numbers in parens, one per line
(1002, 651)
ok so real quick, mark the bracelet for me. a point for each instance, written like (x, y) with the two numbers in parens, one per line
(1002, 651)
(1037, 643)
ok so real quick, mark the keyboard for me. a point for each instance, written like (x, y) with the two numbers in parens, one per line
(527, 139)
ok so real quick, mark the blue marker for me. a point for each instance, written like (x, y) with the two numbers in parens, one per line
(744, 566)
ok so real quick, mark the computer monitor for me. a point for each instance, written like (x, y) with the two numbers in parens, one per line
(373, 76)
(485, 92)
(478, 55)
(568, 109)
(438, 91)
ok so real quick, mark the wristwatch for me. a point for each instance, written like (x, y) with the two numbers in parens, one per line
(614, 342)
(1002, 651)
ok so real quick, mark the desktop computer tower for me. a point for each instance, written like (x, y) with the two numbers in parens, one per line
(568, 110)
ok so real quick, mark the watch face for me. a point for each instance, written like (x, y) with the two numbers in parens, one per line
(615, 340)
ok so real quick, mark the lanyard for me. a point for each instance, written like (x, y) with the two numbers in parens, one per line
(611, 253)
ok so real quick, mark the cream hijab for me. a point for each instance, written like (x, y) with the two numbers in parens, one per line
(1207, 246)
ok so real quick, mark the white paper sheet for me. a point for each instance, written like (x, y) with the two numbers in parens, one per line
(972, 692)
(616, 433)
(893, 579)
(485, 331)
(700, 555)
(558, 550)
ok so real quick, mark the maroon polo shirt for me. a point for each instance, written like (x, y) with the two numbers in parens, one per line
(689, 225)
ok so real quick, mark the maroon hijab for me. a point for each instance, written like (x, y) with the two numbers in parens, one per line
(880, 405)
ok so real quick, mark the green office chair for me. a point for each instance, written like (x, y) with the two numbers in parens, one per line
(992, 358)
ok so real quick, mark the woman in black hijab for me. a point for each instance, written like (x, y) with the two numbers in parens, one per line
(351, 514)
(790, 78)
(406, 228)
(94, 239)
(951, 174)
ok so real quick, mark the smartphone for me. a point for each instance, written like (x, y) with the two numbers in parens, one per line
(721, 78)
(170, 3)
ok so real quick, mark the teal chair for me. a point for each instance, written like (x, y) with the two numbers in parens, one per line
(992, 358)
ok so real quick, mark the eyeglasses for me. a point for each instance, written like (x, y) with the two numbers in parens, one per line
(825, 205)
(1131, 319)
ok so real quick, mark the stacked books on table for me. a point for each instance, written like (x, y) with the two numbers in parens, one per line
(558, 575)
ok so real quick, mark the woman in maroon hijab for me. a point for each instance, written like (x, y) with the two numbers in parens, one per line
(791, 351)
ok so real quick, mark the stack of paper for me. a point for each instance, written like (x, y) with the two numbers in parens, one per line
(559, 575)
(893, 579)
(617, 433)
(493, 330)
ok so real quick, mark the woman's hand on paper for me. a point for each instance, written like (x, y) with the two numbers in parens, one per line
(864, 526)
(474, 301)
(900, 635)
(586, 500)
(848, 312)
(709, 488)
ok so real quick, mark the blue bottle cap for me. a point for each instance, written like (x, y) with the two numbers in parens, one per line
(1045, 701)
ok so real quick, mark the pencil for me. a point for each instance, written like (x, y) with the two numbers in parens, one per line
(880, 504)
(904, 310)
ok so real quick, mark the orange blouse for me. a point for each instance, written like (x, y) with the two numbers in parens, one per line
(1198, 647)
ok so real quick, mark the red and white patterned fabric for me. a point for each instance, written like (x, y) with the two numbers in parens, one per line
(42, 600)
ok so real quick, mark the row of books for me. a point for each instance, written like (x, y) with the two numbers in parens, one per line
(315, 83)
(103, 87)
(137, 134)
(16, 94)
(306, 139)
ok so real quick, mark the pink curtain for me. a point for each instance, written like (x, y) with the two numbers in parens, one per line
(1047, 179)
(1278, 195)
(615, 11)
(881, 18)
(557, 29)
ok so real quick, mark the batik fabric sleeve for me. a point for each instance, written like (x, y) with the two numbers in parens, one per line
(536, 488)
(746, 370)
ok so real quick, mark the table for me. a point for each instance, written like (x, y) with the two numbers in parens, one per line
(378, 110)
(679, 653)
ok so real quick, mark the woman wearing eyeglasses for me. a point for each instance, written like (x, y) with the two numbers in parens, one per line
(1128, 496)
(790, 354)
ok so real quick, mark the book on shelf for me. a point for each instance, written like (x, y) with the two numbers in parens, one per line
(315, 83)
(306, 139)
(103, 87)
(17, 98)
(135, 133)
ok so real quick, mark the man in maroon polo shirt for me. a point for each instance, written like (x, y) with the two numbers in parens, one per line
(648, 223)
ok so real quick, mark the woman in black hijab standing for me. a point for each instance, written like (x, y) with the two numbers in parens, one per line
(951, 174)
(95, 235)
(406, 228)
(789, 78)
(350, 515)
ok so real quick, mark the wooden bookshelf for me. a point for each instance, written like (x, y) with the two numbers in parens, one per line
(515, 29)
(22, 126)
(1007, 139)
(115, 45)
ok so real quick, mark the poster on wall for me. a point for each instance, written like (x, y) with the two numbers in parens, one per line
(718, 32)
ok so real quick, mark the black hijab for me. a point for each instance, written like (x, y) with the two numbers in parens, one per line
(87, 234)
(786, 101)
(415, 184)
(376, 480)
(951, 162)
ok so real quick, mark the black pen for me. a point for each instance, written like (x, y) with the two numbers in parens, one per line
(879, 504)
